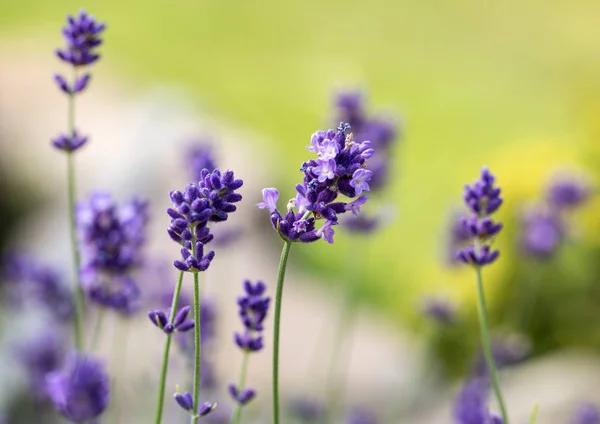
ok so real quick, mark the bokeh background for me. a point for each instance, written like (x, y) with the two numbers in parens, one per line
(513, 85)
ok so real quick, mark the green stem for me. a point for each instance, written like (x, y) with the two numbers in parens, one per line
(241, 384)
(165, 359)
(487, 350)
(197, 340)
(280, 277)
(71, 190)
(97, 329)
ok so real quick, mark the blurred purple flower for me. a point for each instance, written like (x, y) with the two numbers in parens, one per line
(586, 414)
(308, 410)
(440, 310)
(457, 237)
(200, 156)
(41, 356)
(541, 233)
(470, 407)
(80, 392)
(567, 191)
(505, 351)
(361, 416)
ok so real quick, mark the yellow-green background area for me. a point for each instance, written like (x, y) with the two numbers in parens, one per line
(509, 84)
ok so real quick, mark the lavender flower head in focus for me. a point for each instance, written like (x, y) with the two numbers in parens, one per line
(210, 200)
(482, 199)
(340, 168)
(253, 308)
(80, 392)
(82, 37)
(112, 239)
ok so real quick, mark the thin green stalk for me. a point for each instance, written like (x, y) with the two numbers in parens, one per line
(487, 350)
(197, 340)
(78, 297)
(280, 277)
(241, 384)
(165, 360)
(97, 330)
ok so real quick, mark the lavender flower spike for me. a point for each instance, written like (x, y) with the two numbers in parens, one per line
(180, 324)
(340, 168)
(186, 402)
(82, 37)
(471, 404)
(81, 391)
(482, 199)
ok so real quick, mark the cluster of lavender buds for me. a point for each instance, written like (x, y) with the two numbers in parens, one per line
(82, 37)
(209, 200)
(483, 199)
(544, 226)
(339, 169)
(186, 401)
(471, 404)
(253, 308)
(112, 239)
(80, 392)
(40, 283)
(179, 324)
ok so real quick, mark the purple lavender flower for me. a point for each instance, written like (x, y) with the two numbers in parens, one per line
(307, 410)
(80, 392)
(112, 239)
(586, 414)
(179, 324)
(41, 356)
(242, 397)
(361, 416)
(210, 200)
(542, 232)
(482, 199)
(567, 192)
(440, 310)
(82, 37)
(186, 402)
(470, 406)
(200, 156)
(253, 311)
(457, 238)
(69, 143)
(338, 169)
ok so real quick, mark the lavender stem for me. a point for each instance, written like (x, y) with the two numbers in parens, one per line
(197, 341)
(78, 292)
(165, 360)
(241, 384)
(485, 341)
(280, 278)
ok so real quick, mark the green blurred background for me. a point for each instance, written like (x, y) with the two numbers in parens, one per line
(514, 85)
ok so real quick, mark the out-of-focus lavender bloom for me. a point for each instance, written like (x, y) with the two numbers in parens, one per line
(361, 416)
(567, 191)
(210, 200)
(200, 156)
(37, 282)
(340, 168)
(111, 239)
(179, 324)
(80, 392)
(440, 310)
(186, 401)
(307, 410)
(69, 143)
(586, 414)
(483, 199)
(505, 351)
(82, 37)
(457, 237)
(470, 406)
(254, 306)
(542, 231)
(41, 356)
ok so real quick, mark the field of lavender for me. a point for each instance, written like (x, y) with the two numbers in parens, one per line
(307, 213)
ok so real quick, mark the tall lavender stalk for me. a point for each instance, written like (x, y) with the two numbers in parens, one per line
(340, 168)
(483, 199)
(81, 35)
(209, 200)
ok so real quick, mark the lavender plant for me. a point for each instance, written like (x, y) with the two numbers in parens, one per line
(483, 199)
(340, 168)
(82, 37)
(209, 200)
(253, 311)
